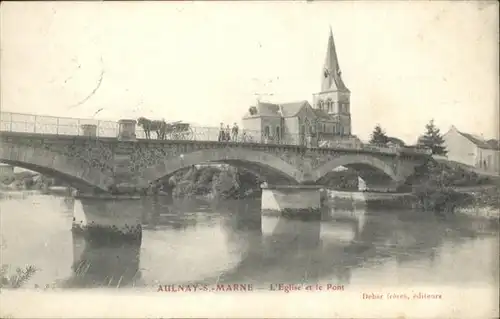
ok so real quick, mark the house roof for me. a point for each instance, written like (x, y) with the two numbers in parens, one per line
(495, 144)
(480, 142)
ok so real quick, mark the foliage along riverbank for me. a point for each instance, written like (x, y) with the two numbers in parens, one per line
(436, 187)
(213, 182)
(27, 180)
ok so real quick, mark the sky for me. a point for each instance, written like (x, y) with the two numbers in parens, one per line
(205, 63)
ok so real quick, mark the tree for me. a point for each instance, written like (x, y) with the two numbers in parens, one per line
(378, 136)
(433, 139)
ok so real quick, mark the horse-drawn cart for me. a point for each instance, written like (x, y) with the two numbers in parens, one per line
(172, 131)
(179, 131)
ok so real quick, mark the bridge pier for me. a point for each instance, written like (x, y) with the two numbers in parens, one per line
(108, 220)
(378, 186)
(292, 201)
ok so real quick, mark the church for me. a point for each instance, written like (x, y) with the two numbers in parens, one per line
(327, 121)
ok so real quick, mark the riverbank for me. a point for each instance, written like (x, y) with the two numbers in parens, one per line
(445, 189)
(479, 201)
(483, 203)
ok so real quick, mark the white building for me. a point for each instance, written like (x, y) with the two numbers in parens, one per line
(473, 150)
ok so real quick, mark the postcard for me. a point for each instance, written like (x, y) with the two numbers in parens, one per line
(249, 159)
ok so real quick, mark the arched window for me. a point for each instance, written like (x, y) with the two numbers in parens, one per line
(329, 105)
(266, 131)
(320, 105)
(278, 132)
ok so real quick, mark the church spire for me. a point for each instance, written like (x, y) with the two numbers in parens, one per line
(331, 74)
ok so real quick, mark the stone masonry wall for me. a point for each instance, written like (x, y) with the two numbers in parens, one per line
(125, 161)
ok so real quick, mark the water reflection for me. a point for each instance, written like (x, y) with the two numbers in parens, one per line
(230, 242)
(298, 251)
(102, 265)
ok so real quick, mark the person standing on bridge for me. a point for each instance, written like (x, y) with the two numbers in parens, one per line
(228, 133)
(235, 132)
(221, 132)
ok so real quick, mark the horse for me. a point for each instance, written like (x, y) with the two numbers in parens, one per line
(160, 127)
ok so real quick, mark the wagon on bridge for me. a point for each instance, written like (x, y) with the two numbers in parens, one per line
(179, 131)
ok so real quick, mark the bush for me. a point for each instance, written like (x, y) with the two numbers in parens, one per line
(220, 182)
(440, 200)
(445, 175)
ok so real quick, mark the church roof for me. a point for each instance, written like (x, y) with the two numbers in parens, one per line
(289, 109)
(268, 109)
(322, 114)
(292, 108)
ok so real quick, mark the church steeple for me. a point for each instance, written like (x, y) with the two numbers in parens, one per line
(334, 97)
(331, 77)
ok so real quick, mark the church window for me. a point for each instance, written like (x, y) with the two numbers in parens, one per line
(278, 132)
(320, 105)
(330, 105)
(266, 131)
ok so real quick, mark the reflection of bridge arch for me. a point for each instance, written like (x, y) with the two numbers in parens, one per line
(72, 170)
(260, 163)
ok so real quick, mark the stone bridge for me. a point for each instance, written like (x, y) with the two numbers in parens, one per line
(105, 166)
(99, 164)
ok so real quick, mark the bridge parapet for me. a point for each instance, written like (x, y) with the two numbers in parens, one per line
(39, 124)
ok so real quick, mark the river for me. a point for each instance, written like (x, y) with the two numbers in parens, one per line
(229, 242)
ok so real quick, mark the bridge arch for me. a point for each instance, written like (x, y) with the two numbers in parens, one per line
(257, 162)
(73, 171)
(375, 172)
